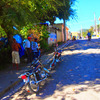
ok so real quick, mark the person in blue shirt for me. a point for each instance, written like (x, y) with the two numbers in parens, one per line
(35, 48)
(89, 35)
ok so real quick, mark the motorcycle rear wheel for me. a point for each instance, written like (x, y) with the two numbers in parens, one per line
(33, 86)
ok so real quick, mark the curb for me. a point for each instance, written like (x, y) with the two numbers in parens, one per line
(19, 80)
(9, 87)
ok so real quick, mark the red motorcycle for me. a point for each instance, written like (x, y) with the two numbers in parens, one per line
(56, 59)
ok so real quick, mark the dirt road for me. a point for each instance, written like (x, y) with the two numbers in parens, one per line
(77, 77)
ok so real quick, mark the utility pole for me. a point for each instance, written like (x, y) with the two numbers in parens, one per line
(99, 25)
(95, 24)
(81, 31)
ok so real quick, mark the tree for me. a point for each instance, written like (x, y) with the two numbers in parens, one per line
(20, 13)
(13, 13)
(2, 32)
(66, 11)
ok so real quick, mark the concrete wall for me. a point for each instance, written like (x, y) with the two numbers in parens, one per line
(61, 34)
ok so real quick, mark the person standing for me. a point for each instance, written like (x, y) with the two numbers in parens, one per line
(15, 54)
(28, 49)
(35, 49)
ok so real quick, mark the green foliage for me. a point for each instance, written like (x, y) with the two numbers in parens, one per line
(44, 38)
(2, 32)
(44, 33)
(23, 12)
(84, 34)
(65, 9)
(24, 31)
(44, 44)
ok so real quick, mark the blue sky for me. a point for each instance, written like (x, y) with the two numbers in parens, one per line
(85, 10)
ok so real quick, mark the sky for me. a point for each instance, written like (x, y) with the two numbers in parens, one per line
(84, 16)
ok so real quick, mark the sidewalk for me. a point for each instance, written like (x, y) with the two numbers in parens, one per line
(8, 78)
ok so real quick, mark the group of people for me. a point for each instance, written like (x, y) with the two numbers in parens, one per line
(31, 49)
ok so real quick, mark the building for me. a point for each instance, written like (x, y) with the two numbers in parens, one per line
(56, 33)
(60, 34)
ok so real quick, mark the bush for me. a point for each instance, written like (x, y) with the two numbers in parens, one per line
(5, 57)
(44, 45)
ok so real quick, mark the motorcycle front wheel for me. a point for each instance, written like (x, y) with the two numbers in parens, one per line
(53, 64)
(33, 86)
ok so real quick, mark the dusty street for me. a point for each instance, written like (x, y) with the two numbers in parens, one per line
(77, 77)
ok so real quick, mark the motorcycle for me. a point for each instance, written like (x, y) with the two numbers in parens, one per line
(89, 38)
(35, 76)
(56, 59)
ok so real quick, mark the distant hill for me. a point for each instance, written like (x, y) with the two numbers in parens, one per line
(83, 30)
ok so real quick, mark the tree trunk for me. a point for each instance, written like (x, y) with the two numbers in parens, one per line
(9, 34)
(10, 38)
(64, 30)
